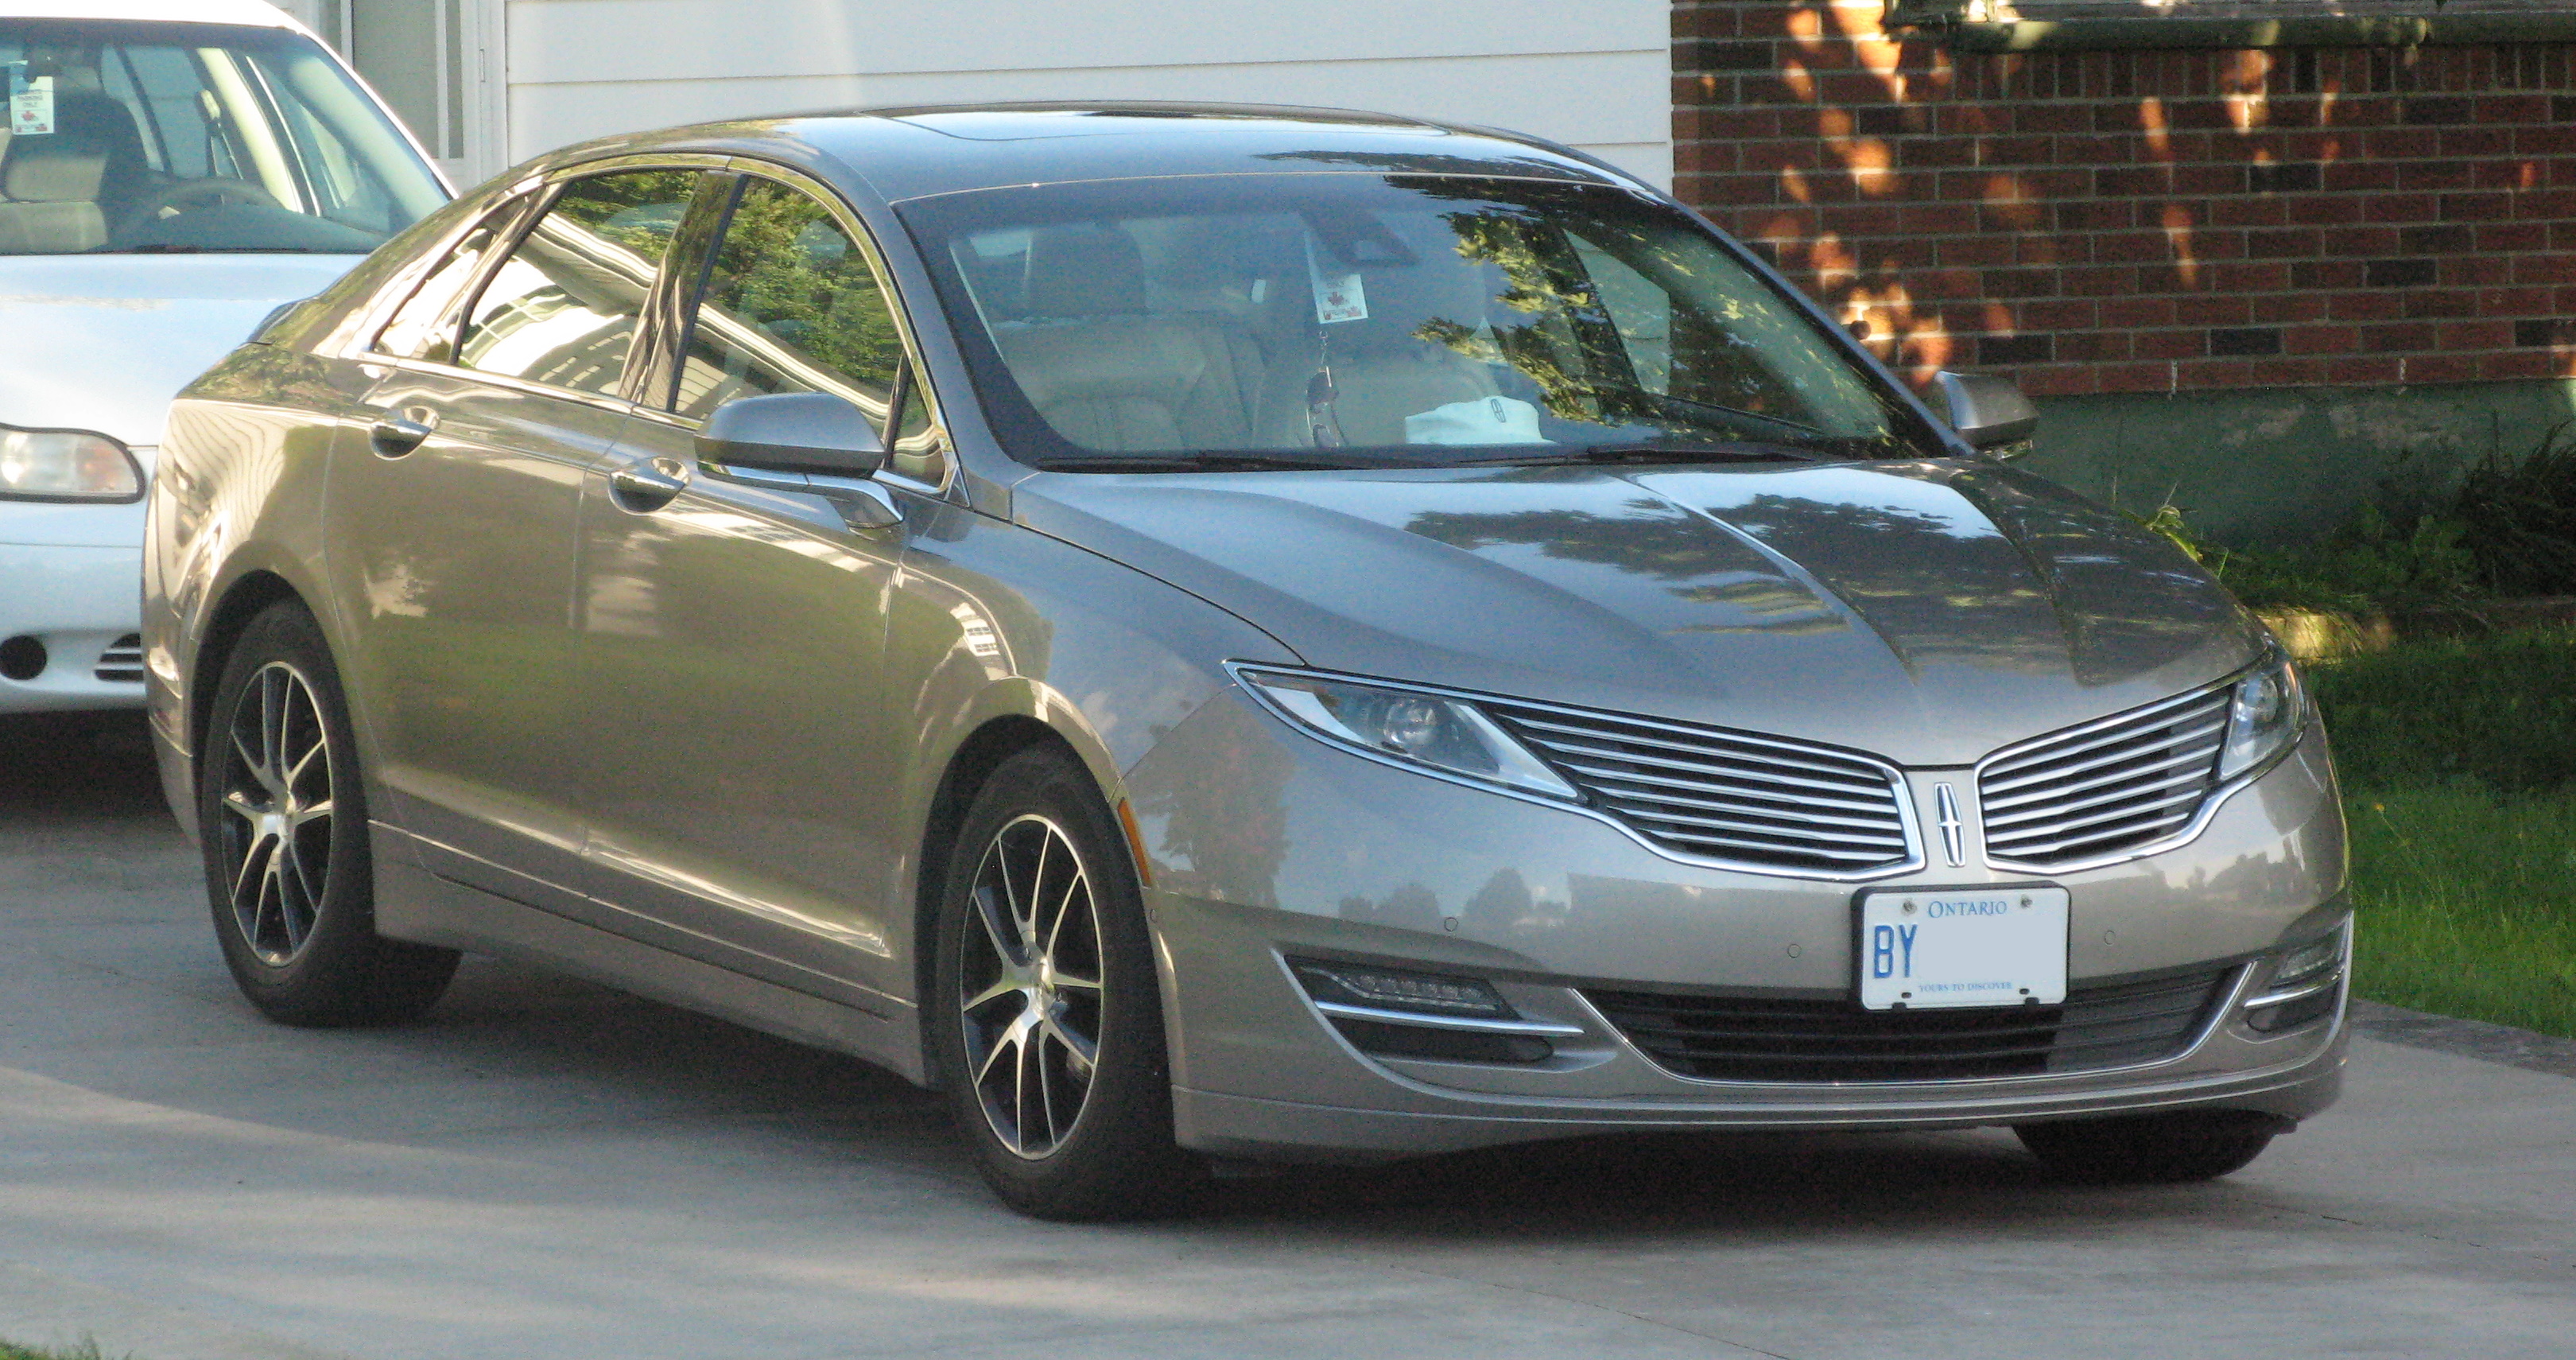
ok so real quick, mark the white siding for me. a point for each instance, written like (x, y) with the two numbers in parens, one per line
(1593, 73)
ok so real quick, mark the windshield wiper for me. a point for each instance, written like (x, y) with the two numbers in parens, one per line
(1206, 462)
(1651, 453)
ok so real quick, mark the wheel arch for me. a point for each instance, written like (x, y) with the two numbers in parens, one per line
(242, 601)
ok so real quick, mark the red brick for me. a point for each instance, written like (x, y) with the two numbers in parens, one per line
(2524, 363)
(2394, 207)
(2362, 370)
(2441, 368)
(2283, 372)
(2461, 335)
(2404, 338)
(2330, 340)
(2283, 244)
(2212, 310)
(2182, 344)
(2366, 305)
(2487, 206)
(2504, 236)
(2137, 311)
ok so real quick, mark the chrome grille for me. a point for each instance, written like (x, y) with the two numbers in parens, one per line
(122, 662)
(1724, 795)
(2100, 1025)
(2104, 787)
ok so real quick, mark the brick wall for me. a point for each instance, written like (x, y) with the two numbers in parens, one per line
(2142, 220)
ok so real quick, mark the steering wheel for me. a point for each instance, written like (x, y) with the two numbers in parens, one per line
(189, 195)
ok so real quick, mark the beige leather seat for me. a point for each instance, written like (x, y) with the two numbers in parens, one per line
(64, 188)
(1106, 372)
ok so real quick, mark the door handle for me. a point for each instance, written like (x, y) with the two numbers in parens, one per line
(396, 433)
(649, 484)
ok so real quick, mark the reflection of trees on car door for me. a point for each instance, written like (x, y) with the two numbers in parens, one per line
(739, 769)
(456, 517)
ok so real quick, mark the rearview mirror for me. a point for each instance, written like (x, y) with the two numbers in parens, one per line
(809, 433)
(1987, 411)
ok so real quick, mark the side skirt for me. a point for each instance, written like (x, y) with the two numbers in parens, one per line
(414, 904)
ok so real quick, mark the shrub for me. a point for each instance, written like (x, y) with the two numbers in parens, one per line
(2520, 518)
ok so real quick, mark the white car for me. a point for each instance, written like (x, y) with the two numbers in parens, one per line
(171, 172)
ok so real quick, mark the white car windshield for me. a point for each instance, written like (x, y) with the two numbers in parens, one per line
(1394, 320)
(130, 137)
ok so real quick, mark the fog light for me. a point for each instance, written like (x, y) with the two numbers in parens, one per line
(2310, 959)
(22, 658)
(1388, 989)
(2306, 984)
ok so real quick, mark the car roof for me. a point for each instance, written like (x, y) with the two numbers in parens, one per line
(250, 12)
(914, 152)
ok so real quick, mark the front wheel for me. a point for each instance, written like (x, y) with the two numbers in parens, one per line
(1047, 1014)
(284, 824)
(2152, 1149)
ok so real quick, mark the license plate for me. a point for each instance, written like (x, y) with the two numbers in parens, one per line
(1922, 949)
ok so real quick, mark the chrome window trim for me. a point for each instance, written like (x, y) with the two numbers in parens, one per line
(2229, 1006)
(2189, 831)
(1542, 1029)
(1900, 790)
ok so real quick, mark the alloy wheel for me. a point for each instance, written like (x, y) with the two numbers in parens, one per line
(276, 806)
(1030, 985)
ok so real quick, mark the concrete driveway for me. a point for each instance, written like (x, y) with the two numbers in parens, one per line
(548, 1169)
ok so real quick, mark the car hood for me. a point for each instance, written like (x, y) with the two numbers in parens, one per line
(1927, 612)
(104, 341)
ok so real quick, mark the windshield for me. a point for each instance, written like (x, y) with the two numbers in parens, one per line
(1403, 320)
(169, 137)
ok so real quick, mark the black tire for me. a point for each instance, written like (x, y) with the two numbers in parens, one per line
(1009, 1064)
(2152, 1149)
(301, 941)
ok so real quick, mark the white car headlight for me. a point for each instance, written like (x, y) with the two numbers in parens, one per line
(66, 465)
(2269, 710)
(1407, 726)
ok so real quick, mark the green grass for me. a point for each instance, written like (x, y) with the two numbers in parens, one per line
(2459, 768)
(2465, 904)
(2498, 712)
(86, 1350)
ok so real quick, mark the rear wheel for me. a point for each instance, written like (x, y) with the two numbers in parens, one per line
(284, 825)
(2152, 1149)
(1047, 1013)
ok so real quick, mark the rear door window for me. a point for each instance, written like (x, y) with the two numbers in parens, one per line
(564, 308)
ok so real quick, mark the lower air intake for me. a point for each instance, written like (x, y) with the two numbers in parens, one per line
(1727, 1038)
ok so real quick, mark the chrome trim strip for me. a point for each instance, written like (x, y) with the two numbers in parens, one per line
(1914, 861)
(1535, 1028)
(2299, 993)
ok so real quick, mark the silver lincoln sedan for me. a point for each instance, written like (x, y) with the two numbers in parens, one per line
(1226, 634)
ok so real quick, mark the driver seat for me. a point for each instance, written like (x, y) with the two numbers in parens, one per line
(62, 187)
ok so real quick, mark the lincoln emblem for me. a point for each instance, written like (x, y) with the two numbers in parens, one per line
(1953, 842)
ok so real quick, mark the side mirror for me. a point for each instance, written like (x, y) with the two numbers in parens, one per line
(804, 433)
(1987, 411)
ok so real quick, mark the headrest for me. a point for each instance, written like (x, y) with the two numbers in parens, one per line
(1084, 271)
(71, 163)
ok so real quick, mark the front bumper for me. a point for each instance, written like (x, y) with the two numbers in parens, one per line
(82, 606)
(1266, 846)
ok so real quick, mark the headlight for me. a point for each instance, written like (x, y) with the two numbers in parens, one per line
(2270, 707)
(1407, 726)
(66, 465)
